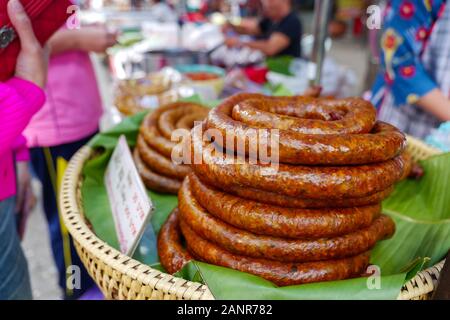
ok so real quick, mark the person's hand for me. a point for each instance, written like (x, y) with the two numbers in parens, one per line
(32, 60)
(232, 42)
(96, 38)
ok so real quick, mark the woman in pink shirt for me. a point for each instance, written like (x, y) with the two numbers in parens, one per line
(67, 121)
(20, 98)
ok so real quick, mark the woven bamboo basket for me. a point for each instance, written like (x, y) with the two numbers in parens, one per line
(121, 277)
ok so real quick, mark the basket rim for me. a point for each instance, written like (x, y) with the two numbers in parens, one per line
(75, 223)
(73, 217)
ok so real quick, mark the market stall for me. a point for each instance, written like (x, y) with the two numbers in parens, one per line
(352, 209)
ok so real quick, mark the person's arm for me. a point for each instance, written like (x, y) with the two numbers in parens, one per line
(272, 46)
(436, 103)
(248, 26)
(405, 75)
(22, 96)
(89, 39)
(280, 38)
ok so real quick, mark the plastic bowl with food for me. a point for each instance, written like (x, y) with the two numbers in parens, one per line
(207, 81)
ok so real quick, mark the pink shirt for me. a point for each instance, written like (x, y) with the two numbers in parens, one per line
(19, 101)
(73, 107)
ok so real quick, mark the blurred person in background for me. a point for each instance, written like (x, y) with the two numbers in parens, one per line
(279, 32)
(250, 8)
(20, 98)
(67, 121)
(412, 89)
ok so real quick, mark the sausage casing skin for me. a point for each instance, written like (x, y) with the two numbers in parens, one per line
(242, 242)
(278, 199)
(282, 274)
(168, 120)
(319, 145)
(158, 163)
(151, 134)
(263, 219)
(172, 255)
(150, 129)
(314, 182)
(154, 181)
(154, 148)
(308, 115)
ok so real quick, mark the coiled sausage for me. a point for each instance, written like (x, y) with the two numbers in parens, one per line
(153, 180)
(172, 255)
(282, 274)
(242, 242)
(277, 221)
(310, 141)
(158, 163)
(312, 182)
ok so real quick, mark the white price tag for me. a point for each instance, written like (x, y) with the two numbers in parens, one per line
(130, 205)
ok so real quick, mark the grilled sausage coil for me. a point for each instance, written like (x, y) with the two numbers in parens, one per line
(246, 243)
(313, 182)
(172, 254)
(154, 148)
(277, 199)
(280, 273)
(314, 215)
(335, 132)
(150, 126)
(264, 219)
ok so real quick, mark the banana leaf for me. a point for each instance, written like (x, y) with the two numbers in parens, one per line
(420, 208)
(280, 64)
(229, 284)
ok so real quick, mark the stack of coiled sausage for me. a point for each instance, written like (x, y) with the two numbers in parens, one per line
(153, 153)
(313, 218)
